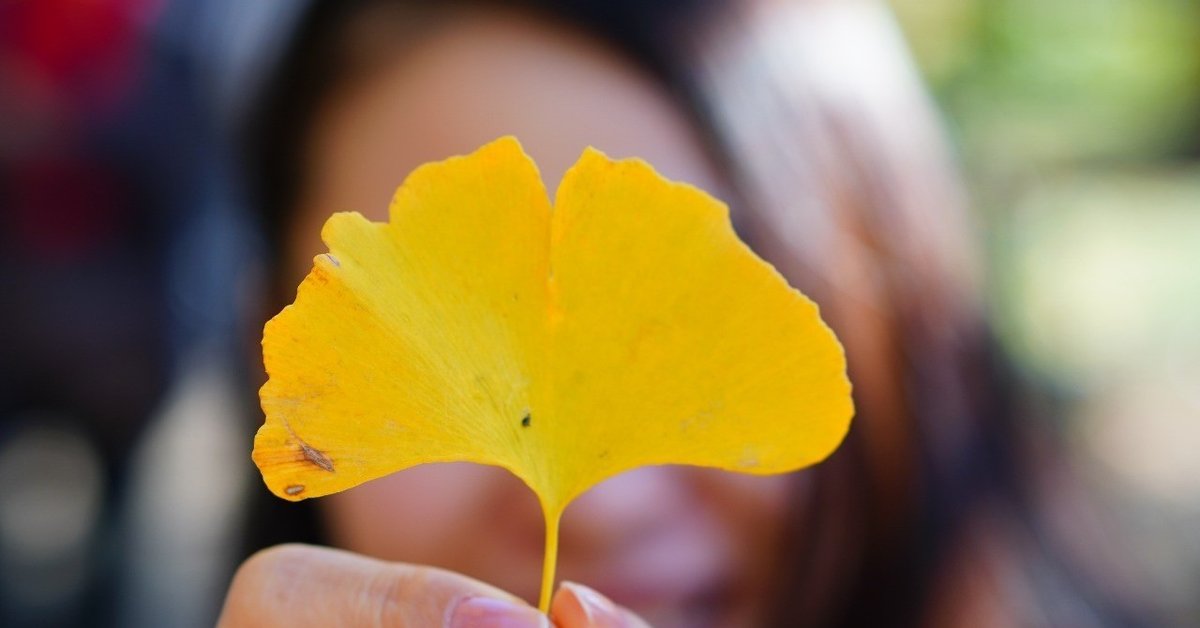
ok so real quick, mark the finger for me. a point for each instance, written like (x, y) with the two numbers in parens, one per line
(576, 606)
(298, 586)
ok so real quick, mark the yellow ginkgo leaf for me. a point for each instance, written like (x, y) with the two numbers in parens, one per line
(625, 326)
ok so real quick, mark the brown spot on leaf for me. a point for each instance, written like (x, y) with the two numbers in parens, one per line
(316, 456)
(308, 453)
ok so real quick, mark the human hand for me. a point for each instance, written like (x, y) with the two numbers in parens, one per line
(297, 586)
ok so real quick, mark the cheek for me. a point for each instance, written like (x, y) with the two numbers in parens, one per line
(756, 510)
(750, 499)
(470, 518)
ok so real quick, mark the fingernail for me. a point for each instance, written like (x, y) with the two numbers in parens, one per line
(486, 612)
(599, 610)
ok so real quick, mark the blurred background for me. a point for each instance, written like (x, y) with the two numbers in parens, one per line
(1078, 127)
(129, 269)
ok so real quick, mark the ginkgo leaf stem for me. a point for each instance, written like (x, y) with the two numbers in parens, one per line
(550, 559)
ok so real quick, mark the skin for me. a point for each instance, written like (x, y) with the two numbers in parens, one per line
(298, 586)
(679, 546)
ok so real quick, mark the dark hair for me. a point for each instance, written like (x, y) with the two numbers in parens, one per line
(857, 203)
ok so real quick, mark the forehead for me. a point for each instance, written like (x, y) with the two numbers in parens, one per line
(477, 76)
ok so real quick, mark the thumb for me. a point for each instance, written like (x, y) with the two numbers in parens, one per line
(299, 586)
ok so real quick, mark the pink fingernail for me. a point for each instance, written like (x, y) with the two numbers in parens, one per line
(599, 610)
(486, 612)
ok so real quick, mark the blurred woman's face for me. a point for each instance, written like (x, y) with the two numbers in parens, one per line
(682, 546)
